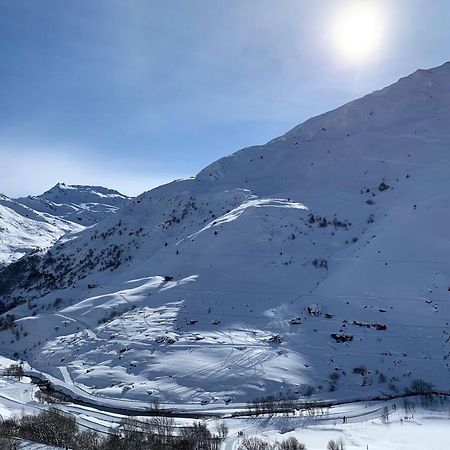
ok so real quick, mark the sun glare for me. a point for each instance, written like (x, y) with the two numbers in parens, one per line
(358, 31)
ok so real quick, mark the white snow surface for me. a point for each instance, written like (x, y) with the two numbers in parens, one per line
(23, 230)
(416, 428)
(410, 423)
(34, 223)
(84, 205)
(341, 226)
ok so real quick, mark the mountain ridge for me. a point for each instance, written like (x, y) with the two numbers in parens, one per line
(24, 230)
(34, 223)
(82, 204)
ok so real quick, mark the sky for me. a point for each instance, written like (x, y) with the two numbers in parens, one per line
(130, 94)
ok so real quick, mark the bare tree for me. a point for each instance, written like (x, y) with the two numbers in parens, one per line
(88, 440)
(254, 443)
(196, 437)
(163, 428)
(291, 443)
(222, 430)
(335, 445)
(14, 370)
(385, 415)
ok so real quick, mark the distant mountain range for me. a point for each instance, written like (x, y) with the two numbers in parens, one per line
(31, 223)
(85, 205)
(317, 265)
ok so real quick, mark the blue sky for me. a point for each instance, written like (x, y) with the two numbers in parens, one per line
(133, 93)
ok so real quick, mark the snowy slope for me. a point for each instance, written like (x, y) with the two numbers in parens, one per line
(36, 222)
(244, 280)
(412, 422)
(23, 230)
(85, 205)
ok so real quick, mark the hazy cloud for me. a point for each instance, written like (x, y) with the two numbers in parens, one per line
(35, 170)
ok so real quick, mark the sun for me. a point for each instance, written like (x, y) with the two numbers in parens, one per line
(358, 30)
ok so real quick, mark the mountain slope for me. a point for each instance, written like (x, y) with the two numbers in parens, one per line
(36, 222)
(23, 230)
(317, 264)
(84, 205)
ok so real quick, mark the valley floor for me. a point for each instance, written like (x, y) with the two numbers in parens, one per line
(427, 429)
(410, 423)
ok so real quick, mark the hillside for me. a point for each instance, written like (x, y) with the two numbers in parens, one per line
(36, 222)
(24, 231)
(84, 205)
(314, 265)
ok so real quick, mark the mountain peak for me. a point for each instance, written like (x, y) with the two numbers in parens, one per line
(82, 204)
(89, 190)
(425, 90)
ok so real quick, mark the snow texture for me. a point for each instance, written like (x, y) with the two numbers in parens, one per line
(277, 270)
(34, 223)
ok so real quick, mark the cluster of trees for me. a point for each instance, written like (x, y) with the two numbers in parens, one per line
(323, 222)
(291, 443)
(419, 386)
(14, 370)
(7, 322)
(286, 405)
(21, 273)
(56, 428)
(272, 405)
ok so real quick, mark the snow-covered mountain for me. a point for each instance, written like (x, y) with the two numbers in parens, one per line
(36, 222)
(317, 264)
(24, 231)
(84, 205)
